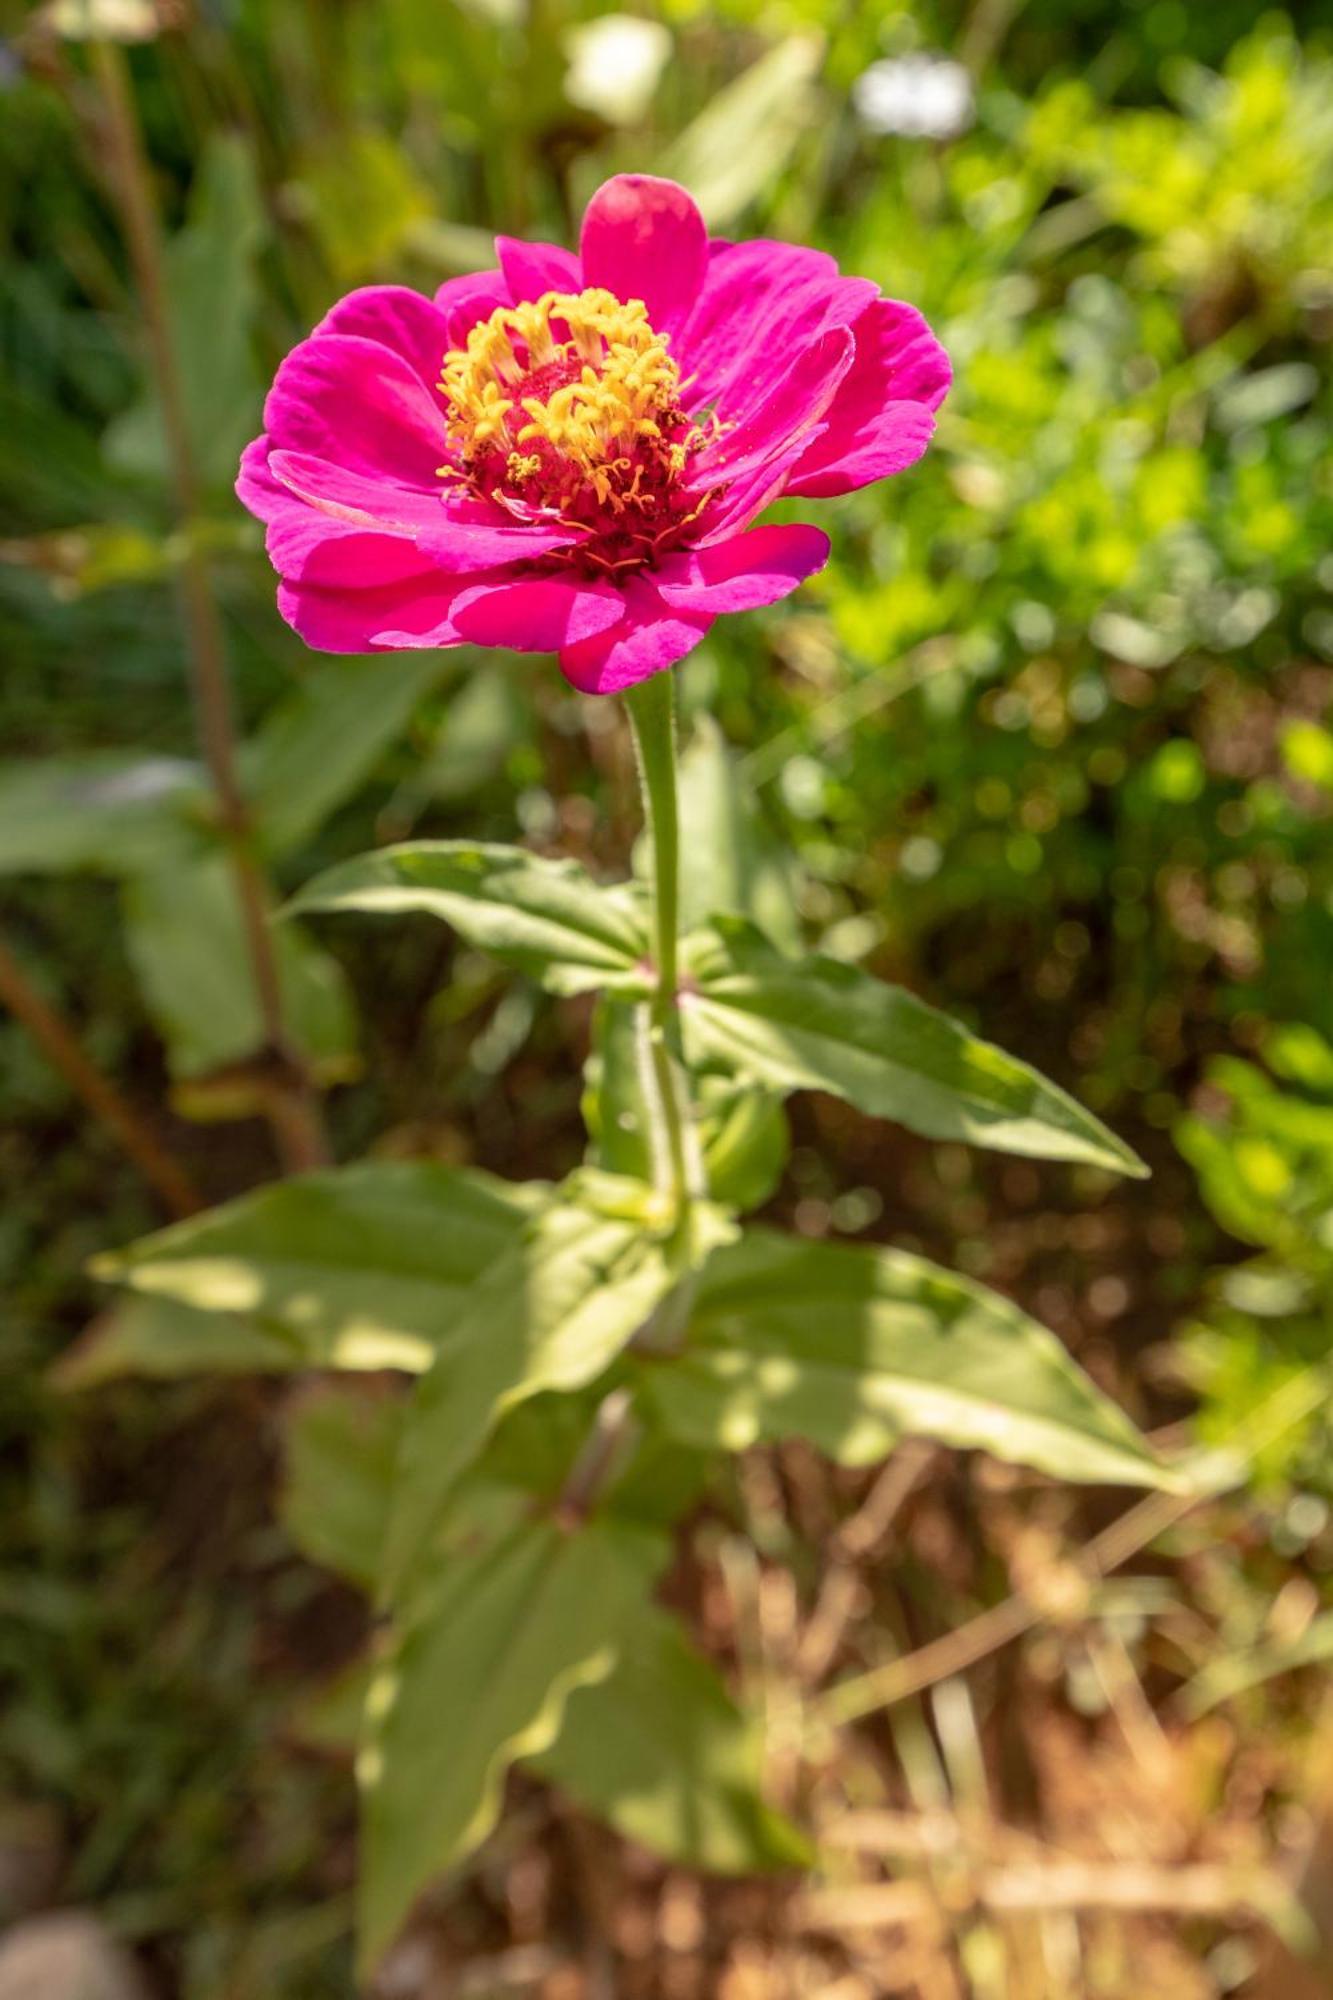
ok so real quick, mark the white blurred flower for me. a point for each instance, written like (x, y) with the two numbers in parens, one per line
(919, 96)
(614, 65)
(105, 20)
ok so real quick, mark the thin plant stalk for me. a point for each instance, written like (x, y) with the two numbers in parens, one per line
(653, 718)
(60, 1043)
(291, 1101)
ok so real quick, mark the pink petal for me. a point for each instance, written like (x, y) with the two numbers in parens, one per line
(650, 637)
(350, 401)
(643, 238)
(882, 418)
(393, 617)
(354, 496)
(533, 268)
(401, 320)
(256, 488)
(535, 614)
(465, 302)
(760, 303)
(745, 572)
(458, 533)
(307, 547)
(461, 546)
(796, 402)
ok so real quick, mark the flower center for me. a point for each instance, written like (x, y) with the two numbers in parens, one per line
(569, 407)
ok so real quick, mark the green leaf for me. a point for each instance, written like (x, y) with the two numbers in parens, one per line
(340, 1445)
(213, 296)
(163, 1337)
(186, 938)
(551, 1313)
(742, 1130)
(742, 140)
(737, 864)
(360, 1268)
(822, 1025)
(746, 1142)
(479, 1679)
(111, 812)
(850, 1347)
(317, 747)
(546, 918)
(661, 1750)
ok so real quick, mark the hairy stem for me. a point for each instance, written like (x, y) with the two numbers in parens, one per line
(652, 716)
(60, 1043)
(295, 1113)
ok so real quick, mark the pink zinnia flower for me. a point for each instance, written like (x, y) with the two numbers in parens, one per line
(566, 454)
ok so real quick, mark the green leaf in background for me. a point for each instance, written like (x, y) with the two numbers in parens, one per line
(823, 1025)
(213, 297)
(340, 1446)
(112, 812)
(747, 133)
(546, 918)
(164, 1337)
(363, 198)
(361, 1267)
(479, 1679)
(486, 721)
(852, 1347)
(186, 939)
(551, 1313)
(661, 1751)
(319, 745)
(736, 862)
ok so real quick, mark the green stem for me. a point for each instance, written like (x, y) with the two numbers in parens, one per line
(652, 716)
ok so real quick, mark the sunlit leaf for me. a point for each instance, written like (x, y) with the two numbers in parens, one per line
(822, 1025)
(480, 1678)
(551, 1313)
(360, 1267)
(851, 1347)
(546, 918)
(661, 1750)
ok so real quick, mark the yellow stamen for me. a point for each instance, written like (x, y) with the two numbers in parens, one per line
(626, 387)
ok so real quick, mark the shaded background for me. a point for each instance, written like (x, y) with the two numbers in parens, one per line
(1048, 741)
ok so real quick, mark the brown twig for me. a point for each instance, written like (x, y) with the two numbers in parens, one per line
(57, 1039)
(295, 1112)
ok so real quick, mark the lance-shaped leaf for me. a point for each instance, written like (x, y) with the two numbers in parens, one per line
(821, 1025)
(186, 936)
(850, 1347)
(479, 1678)
(142, 1335)
(319, 744)
(662, 1751)
(340, 1444)
(106, 811)
(552, 1313)
(361, 1267)
(549, 919)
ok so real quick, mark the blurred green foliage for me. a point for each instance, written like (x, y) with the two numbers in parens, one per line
(1051, 735)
